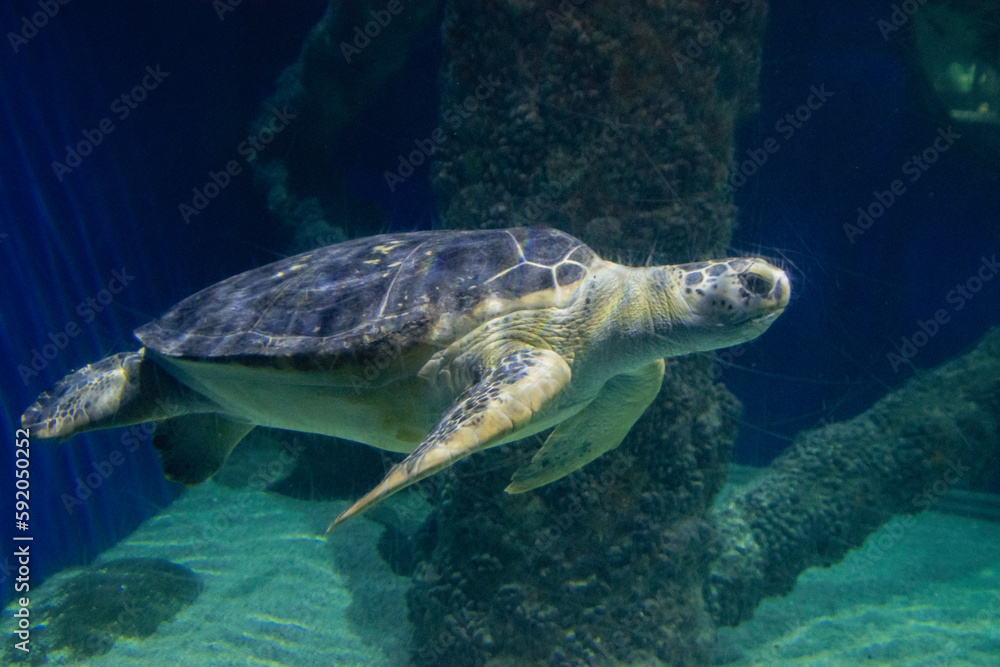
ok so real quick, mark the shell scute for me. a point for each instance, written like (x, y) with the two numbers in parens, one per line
(335, 305)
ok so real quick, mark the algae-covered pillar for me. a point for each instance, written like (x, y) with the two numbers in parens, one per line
(613, 121)
(610, 120)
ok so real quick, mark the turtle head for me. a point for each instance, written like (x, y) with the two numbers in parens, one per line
(728, 301)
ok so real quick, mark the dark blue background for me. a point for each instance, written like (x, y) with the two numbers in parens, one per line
(118, 209)
(825, 358)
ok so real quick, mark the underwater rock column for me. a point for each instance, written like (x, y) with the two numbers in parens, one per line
(612, 121)
(607, 564)
(839, 483)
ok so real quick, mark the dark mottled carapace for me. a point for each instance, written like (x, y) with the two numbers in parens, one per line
(393, 289)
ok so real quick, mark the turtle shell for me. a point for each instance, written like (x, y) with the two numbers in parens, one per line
(347, 299)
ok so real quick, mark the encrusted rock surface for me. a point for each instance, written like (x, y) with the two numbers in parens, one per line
(605, 565)
(598, 120)
(840, 483)
(601, 119)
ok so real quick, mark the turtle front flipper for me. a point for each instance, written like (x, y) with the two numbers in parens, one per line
(521, 382)
(123, 389)
(598, 428)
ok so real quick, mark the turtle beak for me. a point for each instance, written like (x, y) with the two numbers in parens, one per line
(769, 284)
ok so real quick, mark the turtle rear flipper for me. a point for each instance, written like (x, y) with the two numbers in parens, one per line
(598, 428)
(123, 389)
(192, 448)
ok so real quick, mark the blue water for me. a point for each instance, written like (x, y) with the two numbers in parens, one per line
(63, 238)
(118, 210)
(854, 301)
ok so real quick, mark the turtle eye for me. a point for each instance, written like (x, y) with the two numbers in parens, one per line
(756, 284)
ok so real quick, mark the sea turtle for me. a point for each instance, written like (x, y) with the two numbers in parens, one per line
(433, 343)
